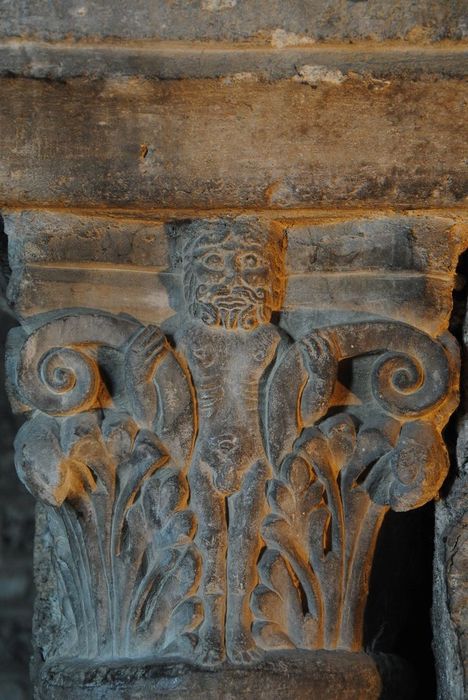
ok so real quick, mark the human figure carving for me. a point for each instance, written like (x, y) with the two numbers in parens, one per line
(255, 390)
(231, 285)
(233, 281)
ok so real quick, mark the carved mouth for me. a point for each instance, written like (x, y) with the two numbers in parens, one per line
(232, 304)
(231, 307)
(237, 297)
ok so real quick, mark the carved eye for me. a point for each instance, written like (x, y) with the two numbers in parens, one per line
(251, 261)
(213, 261)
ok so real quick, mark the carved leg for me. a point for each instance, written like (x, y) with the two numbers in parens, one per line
(211, 540)
(246, 512)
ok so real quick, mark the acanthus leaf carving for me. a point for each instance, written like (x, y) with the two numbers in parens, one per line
(123, 534)
(327, 504)
(212, 495)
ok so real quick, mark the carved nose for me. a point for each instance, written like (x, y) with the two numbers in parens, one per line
(224, 290)
(232, 273)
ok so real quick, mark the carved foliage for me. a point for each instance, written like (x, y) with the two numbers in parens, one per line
(327, 504)
(331, 491)
(126, 567)
(125, 564)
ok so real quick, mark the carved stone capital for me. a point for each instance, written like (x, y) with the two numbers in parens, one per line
(216, 493)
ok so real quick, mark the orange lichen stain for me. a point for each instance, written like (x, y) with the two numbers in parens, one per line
(271, 190)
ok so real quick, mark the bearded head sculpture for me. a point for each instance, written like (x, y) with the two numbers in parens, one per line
(233, 274)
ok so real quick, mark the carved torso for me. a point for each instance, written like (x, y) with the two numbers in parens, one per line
(227, 369)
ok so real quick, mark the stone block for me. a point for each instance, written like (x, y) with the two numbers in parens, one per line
(16, 543)
(312, 63)
(450, 617)
(136, 143)
(320, 676)
(450, 602)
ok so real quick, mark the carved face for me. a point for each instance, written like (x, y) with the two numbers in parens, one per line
(230, 284)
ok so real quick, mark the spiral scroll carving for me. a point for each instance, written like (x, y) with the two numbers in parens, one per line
(54, 368)
(402, 387)
(213, 488)
(67, 382)
(413, 374)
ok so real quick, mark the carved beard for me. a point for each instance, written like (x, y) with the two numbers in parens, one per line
(239, 307)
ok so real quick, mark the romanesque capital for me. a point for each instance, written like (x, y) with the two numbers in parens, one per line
(213, 490)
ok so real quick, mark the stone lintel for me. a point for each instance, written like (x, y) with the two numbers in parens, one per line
(134, 143)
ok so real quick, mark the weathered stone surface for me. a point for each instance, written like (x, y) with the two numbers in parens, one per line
(215, 495)
(16, 540)
(64, 60)
(309, 676)
(450, 606)
(237, 144)
(333, 242)
(236, 19)
(213, 472)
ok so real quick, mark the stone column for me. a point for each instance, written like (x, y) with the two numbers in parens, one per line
(232, 248)
(451, 567)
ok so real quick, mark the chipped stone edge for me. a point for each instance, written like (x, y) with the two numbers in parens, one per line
(168, 61)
